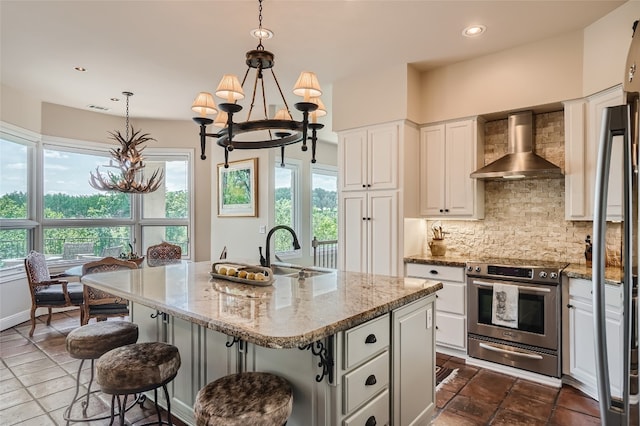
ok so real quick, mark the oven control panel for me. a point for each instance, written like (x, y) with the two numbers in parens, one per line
(544, 274)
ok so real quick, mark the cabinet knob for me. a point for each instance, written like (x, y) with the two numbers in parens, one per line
(433, 272)
(569, 305)
(446, 210)
(371, 421)
(441, 210)
(437, 296)
(364, 186)
(368, 185)
(437, 327)
(371, 339)
(371, 380)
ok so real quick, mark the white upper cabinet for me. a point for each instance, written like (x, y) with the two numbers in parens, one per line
(449, 153)
(583, 127)
(368, 158)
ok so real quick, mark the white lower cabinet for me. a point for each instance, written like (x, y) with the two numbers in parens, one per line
(580, 364)
(379, 373)
(451, 306)
(413, 363)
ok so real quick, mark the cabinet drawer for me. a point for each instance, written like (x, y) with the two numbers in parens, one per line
(451, 330)
(375, 412)
(366, 381)
(452, 298)
(583, 289)
(365, 340)
(435, 272)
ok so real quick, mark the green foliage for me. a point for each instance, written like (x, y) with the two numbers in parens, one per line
(13, 206)
(177, 205)
(111, 205)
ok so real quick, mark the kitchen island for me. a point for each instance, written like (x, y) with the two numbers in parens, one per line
(351, 344)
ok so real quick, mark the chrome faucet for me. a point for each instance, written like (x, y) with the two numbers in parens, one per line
(266, 261)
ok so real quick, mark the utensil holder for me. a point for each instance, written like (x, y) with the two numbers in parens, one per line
(437, 247)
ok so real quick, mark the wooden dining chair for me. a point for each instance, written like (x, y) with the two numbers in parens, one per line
(48, 291)
(163, 253)
(100, 304)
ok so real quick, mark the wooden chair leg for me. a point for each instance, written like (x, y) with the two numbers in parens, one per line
(33, 321)
(49, 318)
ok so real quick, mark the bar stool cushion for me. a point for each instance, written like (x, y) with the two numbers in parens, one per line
(137, 368)
(251, 398)
(91, 341)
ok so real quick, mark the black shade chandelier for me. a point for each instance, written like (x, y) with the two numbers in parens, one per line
(278, 131)
(129, 163)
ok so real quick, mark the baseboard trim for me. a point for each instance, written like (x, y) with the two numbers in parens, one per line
(25, 316)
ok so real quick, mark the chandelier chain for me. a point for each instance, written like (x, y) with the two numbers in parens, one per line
(127, 115)
(260, 46)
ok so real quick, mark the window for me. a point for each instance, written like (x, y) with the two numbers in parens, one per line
(75, 222)
(324, 203)
(16, 204)
(287, 206)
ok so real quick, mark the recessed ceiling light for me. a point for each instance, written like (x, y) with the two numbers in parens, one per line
(474, 30)
(261, 33)
(81, 69)
(115, 99)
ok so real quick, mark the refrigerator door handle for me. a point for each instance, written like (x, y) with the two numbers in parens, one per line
(615, 122)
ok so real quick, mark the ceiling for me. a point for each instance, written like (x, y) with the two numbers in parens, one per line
(168, 51)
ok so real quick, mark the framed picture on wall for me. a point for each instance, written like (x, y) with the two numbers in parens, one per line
(237, 189)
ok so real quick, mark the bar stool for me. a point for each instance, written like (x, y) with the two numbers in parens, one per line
(250, 398)
(137, 368)
(90, 342)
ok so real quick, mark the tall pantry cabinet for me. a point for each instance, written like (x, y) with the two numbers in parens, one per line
(378, 169)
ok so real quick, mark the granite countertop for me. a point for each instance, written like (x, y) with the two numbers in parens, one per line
(286, 314)
(612, 275)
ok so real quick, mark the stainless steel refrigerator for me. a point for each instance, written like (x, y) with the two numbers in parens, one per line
(620, 125)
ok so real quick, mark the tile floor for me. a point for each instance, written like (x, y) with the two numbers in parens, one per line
(37, 377)
(37, 380)
(478, 396)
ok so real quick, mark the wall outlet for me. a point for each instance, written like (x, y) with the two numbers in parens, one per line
(429, 318)
(262, 229)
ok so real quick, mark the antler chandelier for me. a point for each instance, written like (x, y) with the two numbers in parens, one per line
(274, 132)
(129, 162)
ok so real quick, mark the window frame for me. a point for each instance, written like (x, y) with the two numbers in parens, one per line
(327, 170)
(296, 166)
(36, 223)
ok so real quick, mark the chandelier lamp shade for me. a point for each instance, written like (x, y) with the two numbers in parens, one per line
(280, 130)
(128, 163)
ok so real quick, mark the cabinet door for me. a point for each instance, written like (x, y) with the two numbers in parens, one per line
(413, 363)
(459, 164)
(382, 157)
(382, 223)
(597, 104)
(353, 231)
(352, 160)
(432, 170)
(581, 346)
(186, 336)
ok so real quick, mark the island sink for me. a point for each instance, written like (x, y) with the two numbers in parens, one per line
(297, 271)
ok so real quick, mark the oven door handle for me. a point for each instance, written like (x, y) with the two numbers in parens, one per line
(520, 287)
(504, 351)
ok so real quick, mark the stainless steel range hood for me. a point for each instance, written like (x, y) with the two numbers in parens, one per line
(520, 160)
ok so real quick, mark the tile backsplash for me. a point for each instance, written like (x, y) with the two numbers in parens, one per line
(524, 219)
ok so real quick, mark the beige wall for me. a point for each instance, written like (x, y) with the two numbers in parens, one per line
(19, 109)
(535, 74)
(376, 96)
(241, 236)
(606, 43)
(77, 124)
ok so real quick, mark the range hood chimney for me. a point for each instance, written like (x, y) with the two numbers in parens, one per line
(520, 161)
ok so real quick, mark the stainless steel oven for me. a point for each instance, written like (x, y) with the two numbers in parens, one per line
(530, 339)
